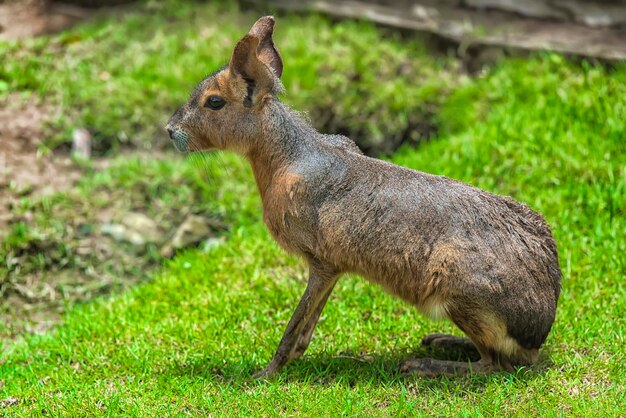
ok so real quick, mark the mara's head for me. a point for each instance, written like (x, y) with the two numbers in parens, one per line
(225, 110)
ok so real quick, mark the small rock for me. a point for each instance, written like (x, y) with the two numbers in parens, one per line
(120, 233)
(135, 228)
(141, 223)
(193, 230)
(81, 143)
(212, 243)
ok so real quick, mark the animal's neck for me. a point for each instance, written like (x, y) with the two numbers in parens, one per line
(285, 139)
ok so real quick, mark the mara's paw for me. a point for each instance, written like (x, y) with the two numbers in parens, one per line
(448, 341)
(427, 367)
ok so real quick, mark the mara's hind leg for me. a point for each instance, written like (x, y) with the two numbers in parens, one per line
(428, 367)
(449, 342)
(498, 351)
(489, 362)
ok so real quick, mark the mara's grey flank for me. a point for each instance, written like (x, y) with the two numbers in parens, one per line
(486, 262)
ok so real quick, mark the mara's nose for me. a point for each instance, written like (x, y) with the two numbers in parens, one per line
(171, 132)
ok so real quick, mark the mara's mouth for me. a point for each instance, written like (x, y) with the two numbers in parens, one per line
(180, 140)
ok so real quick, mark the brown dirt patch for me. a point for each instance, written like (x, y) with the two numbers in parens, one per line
(55, 251)
(24, 170)
(28, 18)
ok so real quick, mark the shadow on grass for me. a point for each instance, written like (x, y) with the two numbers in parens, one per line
(346, 369)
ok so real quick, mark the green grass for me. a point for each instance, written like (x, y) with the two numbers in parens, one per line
(545, 130)
(122, 77)
(55, 253)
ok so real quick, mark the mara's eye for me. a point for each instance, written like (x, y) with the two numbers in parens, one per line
(215, 102)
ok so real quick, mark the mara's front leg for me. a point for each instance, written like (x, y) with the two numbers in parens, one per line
(308, 328)
(322, 279)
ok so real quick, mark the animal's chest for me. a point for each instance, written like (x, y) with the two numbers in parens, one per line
(289, 215)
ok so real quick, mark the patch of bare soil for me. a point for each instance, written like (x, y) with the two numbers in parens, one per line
(25, 172)
(23, 169)
(56, 252)
(21, 19)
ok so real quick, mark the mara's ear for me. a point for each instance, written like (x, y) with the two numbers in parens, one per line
(257, 60)
(266, 50)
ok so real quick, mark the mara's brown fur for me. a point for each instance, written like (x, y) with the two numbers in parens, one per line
(486, 262)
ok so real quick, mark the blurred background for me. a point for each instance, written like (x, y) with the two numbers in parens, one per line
(92, 198)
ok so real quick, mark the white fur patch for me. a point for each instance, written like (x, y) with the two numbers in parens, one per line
(435, 309)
